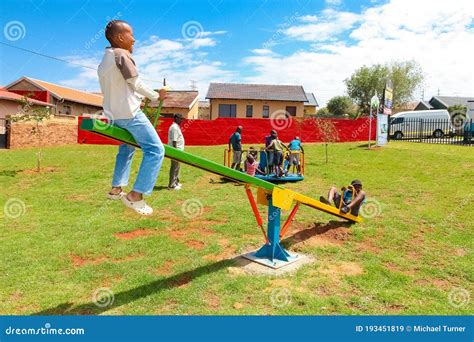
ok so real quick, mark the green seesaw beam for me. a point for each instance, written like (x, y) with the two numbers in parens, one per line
(286, 196)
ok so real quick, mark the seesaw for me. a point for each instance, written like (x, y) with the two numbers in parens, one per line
(275, 197)
(263, 165)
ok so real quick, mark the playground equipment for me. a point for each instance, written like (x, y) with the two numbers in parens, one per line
(275, 197)
(292, 176)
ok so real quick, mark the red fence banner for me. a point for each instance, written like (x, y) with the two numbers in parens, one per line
(218, 131)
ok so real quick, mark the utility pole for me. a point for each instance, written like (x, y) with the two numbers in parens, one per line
(193, 85)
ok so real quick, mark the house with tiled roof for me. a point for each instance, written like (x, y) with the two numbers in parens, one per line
(184, 102)
(63, 100)
(310, 106)
(10, 104)
(443, 102)
(236, 100)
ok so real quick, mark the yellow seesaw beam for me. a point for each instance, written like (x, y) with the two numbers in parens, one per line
(283, 198)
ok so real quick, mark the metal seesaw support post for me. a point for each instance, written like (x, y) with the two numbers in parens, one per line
(273, 250)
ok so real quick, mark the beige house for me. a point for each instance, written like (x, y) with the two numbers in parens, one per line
(310, 106)
(63, 100)
(234, 100)
(10, 104)
(204, 113)
(184, 102)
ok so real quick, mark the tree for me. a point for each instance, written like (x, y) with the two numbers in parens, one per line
(38, 114)
(323, 112)
(328, 132)
(339, 105)
(365, 81)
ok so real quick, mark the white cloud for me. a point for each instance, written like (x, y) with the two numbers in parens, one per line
(321, 28)
(437, 34)
(180, 61)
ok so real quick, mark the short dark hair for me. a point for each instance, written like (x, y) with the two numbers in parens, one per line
(178, 116)
(114, 27)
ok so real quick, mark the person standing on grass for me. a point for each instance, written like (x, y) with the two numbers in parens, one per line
(268, 140)
(295, 149)
(277, 147)
(176, 140)
(123, 92)
(235, 141)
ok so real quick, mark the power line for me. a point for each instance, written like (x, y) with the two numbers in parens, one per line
(58, 59)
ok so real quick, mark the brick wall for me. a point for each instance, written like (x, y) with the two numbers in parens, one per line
(55, 132)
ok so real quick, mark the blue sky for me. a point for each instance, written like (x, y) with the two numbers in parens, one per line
(314, 43)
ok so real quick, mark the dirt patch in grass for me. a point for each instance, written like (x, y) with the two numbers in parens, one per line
(395, 268)
(168, 307)
(166, 268)
(369, 245)
(441, 284)
(135, 234)
(195, 244)
(168, 215)
(213, 301)
(48, 169)
(228, 251)
(320, 235)
(344, 268)
(78, 261)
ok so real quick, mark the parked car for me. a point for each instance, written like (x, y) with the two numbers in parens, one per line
(435, 123)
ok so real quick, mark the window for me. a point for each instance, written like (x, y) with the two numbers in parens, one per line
(266, 112)
(291, 111)
(67, 109)
(249, 112)
(398, 121)
(227, 110)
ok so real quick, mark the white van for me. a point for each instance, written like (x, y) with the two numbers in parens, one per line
(435, 123)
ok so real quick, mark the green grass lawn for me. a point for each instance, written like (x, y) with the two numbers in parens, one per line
(412, 256)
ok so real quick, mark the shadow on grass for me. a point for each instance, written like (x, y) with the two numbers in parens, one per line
(129, 296)
(317, 229)
(223, 180)
(9, 173)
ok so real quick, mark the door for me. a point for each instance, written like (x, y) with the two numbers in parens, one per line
(3, 133)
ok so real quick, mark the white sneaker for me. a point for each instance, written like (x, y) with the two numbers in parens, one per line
(177, 187)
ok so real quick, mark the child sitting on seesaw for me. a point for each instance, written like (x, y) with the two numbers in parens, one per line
(352, 197)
